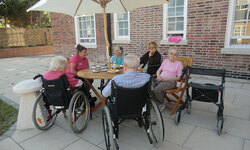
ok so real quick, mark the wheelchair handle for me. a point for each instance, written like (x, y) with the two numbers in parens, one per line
(37, 76)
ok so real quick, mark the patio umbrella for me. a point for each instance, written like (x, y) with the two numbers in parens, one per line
(84, 7)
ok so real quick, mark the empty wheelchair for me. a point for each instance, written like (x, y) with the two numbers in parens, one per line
(55, 97)
(205, 93)
(131, 103)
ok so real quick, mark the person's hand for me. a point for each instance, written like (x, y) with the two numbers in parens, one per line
(151, 53)
(159, 78)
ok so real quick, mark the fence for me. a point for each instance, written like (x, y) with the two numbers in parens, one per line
(19, 37)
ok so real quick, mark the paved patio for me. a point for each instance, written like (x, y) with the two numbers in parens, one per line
(196, 131)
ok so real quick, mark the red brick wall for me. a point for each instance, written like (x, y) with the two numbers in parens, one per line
(206, 27)
(26, 51)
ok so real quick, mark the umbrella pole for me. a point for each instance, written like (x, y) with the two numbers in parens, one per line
(106, 35)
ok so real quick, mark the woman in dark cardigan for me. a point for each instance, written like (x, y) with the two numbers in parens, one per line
(151, 59)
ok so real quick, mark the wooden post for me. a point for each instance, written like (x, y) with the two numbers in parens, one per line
(106, 32)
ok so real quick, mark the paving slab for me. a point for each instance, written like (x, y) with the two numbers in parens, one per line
(170, 146)
(246, 145)
(201, 118)
(24, 135)
(9, 144)
(204, 139)
(233, 110)
(55, 138)
(83, 145)
(237, 127)
(177, 134)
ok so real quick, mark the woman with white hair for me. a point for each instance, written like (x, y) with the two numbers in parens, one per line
(58, 65)
(117, 58)
(169, 71)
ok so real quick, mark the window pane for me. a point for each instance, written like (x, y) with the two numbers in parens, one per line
(81, 34)
(248, 28)
(171, 27)
(125, 16)
(92, 23)
(172, 3)
(92, 17)
(179, 2)
(241, 12)
(120, 25)
(239, 29)
(179, 26)
(242, 2)
(240, 41)
(84, 25)
(125, 25)
(119, 17)
(93, 33)
(171, 12)
(179, 11)
(85, 33)
(171, 20)
(126, 32)
(120, 32)
(180, 19)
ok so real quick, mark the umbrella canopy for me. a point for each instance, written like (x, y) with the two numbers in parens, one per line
(84, 7)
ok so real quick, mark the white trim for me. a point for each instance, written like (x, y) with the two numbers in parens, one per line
(121, 41)
(233, 49)
(118, 38)
(243, 51)
(164, 31)
(77, 35)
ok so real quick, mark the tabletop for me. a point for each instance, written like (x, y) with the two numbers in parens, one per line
(88, 74)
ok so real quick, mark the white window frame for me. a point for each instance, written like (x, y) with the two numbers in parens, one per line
(117, 38)
(233, 49)
(164, 40)
(77, 32)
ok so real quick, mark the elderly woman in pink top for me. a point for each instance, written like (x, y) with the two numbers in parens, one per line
(58, 65)
(169, 71)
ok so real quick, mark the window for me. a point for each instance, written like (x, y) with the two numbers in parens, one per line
(86, 30)
(122, 27)
(174, 20)
(238, 28)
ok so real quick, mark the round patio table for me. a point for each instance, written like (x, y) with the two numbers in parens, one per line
(88, 74)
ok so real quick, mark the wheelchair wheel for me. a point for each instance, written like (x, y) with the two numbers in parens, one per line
(43, 116)
(156, 125)
(79, 112)
(108, 129)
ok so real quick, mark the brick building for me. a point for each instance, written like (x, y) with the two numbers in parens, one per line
(215, 33)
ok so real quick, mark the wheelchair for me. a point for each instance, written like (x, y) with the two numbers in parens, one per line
(205, 93)
(55, 97)
(131, 103)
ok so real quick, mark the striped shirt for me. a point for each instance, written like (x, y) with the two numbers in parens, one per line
(131, 79)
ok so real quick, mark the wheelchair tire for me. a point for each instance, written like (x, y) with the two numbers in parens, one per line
(79, 112)
(156, 121)
(108, 129)
(42, 118)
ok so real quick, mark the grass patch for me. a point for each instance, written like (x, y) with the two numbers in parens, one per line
(8, 116)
